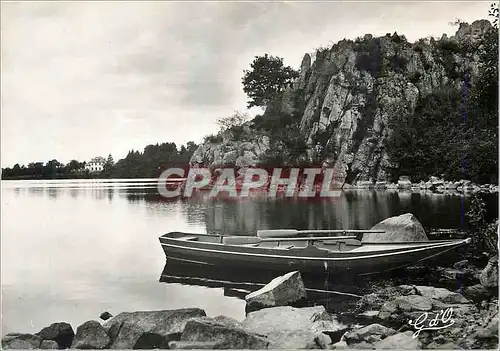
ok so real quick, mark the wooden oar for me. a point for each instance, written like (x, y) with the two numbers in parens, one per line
(280, 233)
(242, 240)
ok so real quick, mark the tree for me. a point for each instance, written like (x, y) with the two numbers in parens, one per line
(234, 121)
(267, 77)
(108, 165)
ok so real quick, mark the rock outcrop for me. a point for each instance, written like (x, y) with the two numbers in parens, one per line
(405, 227)
(348, 98)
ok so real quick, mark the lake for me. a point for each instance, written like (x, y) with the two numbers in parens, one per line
(72, 249)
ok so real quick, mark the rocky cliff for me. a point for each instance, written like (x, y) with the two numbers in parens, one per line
(345, 99)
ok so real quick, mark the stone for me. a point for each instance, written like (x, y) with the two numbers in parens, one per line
(90, 335)
(369, 315)
(192, 345)
(404, 182)
(49, 345)
(409, 303)
(477, 293)
(158, 327)
(225, 332)
(298, 339)
(399, 341)
(377, 299)
(367, 333)
(362, 346)
(105, 316)
(61, 332)
(489, 275)
(131, 336)
(341, 345)
(18, 344)
(441, 294)
(281, 291)
(275, 320)
(17, 340)
(400, 228)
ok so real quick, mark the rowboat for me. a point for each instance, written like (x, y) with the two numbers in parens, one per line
(285, 250)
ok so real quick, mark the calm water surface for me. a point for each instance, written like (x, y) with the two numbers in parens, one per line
(73, 249)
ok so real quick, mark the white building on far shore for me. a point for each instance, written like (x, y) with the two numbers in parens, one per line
(95, 165)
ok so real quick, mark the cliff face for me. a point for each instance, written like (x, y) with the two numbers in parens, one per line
(346, 99)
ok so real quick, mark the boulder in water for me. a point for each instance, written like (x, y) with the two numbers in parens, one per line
(405, 227)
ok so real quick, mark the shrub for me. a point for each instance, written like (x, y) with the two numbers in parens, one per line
(484, 235)
(213, 138)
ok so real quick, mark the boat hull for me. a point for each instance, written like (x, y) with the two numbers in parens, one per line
(307, 259)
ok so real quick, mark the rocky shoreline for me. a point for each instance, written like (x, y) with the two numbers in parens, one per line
(468, 319)
(459, 310)
(434, 184)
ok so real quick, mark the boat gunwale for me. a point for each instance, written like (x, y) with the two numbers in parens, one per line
(278, 253)
(165, 236)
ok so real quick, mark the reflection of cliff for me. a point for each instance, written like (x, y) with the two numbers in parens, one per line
(353, 210)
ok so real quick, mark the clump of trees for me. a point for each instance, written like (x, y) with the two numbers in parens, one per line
(147, 164)
(52, 169)
(454, 133)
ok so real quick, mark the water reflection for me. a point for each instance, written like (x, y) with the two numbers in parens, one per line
(353, 209)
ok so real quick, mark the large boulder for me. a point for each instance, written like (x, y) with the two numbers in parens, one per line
(405, 227)
(278, 323)
(90, 335)
(225, 332)
(285, 290)
(61, 332)
(489, 275)
(21, 341)
(149, 329)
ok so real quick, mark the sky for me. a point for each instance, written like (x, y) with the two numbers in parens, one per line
(86, 79)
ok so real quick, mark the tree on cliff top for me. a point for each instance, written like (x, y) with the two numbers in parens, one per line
(267, 77)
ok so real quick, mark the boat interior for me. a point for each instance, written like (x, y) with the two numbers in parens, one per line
(331, 243)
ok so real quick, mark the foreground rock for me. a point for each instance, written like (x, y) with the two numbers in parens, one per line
(62, 333)
(405, 227)
(290, 327)
(21, 341)
(371, 333)
(474, 325)
(281, 291)
(399, 341)
(90, 335)
(489, 275)
(223, 332)
(149, 329)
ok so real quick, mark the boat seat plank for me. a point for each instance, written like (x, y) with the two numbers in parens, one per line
(189, 238)
(240, 240)
(284, 247)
